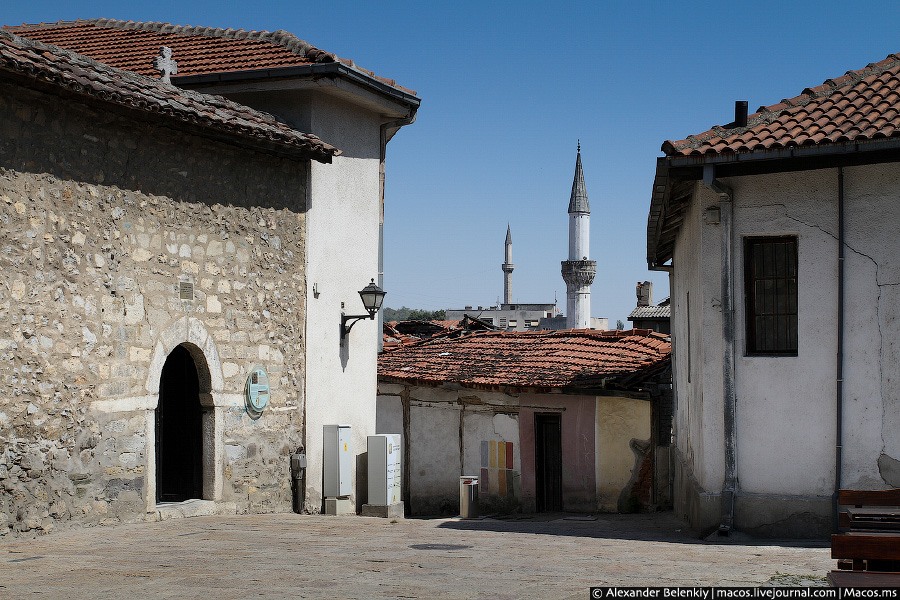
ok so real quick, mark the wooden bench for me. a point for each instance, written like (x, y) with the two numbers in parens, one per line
(867, 546)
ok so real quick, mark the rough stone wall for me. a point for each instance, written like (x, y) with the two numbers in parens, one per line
(101, 217)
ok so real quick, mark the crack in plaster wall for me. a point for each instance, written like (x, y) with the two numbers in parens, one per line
(879, 312)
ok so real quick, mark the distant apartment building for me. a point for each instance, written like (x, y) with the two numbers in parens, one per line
(511, 317)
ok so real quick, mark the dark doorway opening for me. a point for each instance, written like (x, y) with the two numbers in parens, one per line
(548, 461)
(179, 438)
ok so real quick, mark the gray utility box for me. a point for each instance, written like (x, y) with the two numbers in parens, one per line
(339, 462)
(384, 468)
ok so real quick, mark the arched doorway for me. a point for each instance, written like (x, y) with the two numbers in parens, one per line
(179, 435)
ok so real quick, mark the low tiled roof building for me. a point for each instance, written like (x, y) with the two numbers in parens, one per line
(565, 420)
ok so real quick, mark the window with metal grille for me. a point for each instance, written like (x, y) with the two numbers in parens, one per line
(770, 290)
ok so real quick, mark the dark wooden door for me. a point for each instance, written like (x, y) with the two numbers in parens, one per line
(548, 461)
(179, 448)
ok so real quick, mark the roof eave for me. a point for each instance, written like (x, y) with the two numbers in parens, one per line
(658, 201)
(233, 138)
(566, 390)
(670, 169)
(328, 69)
(787, 153)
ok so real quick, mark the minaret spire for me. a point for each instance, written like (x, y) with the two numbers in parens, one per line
(507, 267)
(578, 201)
(578, 272)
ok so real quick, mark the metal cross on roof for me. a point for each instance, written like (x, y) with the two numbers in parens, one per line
(165, 65)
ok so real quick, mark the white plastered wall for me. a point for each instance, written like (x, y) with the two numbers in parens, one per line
(872, 328)
(785, 415)
(342, 250)
(697, 332)
(786, 412)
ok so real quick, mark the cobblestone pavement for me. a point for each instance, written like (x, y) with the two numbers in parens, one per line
(297, 556)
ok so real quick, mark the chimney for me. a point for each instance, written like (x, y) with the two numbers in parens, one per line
(740, 113)
(644, 293)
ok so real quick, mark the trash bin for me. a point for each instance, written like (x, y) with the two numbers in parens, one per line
(468, 497)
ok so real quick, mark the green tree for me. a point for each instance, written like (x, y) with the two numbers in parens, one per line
(620, 325)
(413, 314)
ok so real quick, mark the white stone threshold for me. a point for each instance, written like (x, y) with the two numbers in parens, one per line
(191, 508)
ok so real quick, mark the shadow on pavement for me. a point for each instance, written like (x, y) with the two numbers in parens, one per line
(654, 527)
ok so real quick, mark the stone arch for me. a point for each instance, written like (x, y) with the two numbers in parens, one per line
(179, 431)
(191, 334)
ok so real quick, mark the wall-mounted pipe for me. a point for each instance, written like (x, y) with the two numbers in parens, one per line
(726, 206)
(839, 370)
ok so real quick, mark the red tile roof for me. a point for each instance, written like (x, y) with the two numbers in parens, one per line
(397, 333)
(860, 105)
(132, 45)
(446, 324)
(37, 64)
(567, 360)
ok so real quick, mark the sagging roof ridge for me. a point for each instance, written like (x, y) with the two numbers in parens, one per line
(280, 37)
(546, 333)
(766, 115)
(149, 95)
(566, 360)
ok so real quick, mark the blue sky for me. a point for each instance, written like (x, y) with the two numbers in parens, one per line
(508, 87)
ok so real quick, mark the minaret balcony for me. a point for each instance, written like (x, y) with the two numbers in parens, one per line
(579, 272)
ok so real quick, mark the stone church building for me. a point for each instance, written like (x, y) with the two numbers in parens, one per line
(171, 291)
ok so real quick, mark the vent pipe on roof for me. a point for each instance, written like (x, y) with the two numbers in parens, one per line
(740, 113)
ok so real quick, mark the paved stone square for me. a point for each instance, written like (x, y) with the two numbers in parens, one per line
(299, 556)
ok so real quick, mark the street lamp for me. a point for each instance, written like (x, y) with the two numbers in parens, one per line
(372, 297)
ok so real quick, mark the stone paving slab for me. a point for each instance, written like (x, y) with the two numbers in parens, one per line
(302, 556)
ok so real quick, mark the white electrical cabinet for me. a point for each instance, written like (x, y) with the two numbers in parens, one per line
(385, 451)
(339, 459)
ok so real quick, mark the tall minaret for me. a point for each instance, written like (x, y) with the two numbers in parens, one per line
(578, 272)
(507, 267)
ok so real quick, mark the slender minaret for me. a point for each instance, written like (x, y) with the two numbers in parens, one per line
(507, 267)
(578, 272)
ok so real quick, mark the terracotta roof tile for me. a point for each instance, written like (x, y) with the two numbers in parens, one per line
(41, 64)
(857, 106)
(132, 45)
(572, 359)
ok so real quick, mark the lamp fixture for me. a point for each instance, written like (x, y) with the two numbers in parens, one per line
(372, 297)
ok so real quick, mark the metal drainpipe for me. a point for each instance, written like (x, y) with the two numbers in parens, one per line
(726, 207)
(384, 139)
(839, 434)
